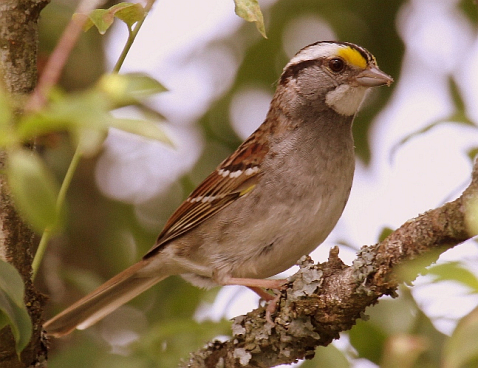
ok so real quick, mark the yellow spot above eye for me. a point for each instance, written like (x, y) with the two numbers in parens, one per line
(352, 57)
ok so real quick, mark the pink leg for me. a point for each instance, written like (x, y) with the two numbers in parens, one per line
(262, 293)
(271, 308)
(258, 285)
(255, 283)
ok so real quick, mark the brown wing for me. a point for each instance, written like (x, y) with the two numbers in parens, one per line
(235, 177)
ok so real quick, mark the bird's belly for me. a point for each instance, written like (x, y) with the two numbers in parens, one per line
(279, 245)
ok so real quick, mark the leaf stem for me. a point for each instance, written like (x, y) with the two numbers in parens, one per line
(60, 201)
(132, 33)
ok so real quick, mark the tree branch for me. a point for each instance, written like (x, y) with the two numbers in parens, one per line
(18, 74)
(325, 299)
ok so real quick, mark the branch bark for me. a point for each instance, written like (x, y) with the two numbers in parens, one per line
(18, 72)
(323, 300)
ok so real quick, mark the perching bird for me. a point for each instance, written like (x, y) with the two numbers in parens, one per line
(275, 199)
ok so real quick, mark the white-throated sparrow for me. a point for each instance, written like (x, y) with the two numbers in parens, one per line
(275, 199)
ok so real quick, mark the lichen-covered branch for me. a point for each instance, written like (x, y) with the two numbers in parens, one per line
(322, 300)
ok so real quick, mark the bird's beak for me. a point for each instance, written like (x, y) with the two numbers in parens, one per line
(373, 77)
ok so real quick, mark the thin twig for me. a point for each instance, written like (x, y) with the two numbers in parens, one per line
(58, 58)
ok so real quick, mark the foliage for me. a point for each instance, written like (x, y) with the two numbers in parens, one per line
(86, 116)
(102, 19)
(249, 10)
(12, 307)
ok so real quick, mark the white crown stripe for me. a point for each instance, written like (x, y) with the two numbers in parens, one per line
(315, 52)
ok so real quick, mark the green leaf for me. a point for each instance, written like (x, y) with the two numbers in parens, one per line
(87, 116)
(454, 271)
(86, 110)
(386, 231)
(457, 98)
(387, 319)
(102, 19)
(66, 113)
(12, 306)
(128, 88)
(368, 339)
(34, 189)
(410, 270)
(250, 11)
(144, 128)
(472, 153)
(327, 357)
(461, 349)
(89, 141)
(129, 13)
(469, 9)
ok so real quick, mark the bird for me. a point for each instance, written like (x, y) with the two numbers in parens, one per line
(272, 201)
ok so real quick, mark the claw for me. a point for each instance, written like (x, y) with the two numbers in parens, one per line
(272, 301)
(258, 285)
(271, 308)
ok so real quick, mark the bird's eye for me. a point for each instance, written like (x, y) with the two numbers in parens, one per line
(336, 65)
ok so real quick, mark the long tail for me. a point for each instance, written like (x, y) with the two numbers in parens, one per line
(101, 302)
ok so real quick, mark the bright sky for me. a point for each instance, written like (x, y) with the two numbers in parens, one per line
(423, 173)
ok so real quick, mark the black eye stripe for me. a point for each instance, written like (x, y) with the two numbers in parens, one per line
(293, 70)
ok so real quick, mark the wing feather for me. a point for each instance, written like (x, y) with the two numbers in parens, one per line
(235, 177)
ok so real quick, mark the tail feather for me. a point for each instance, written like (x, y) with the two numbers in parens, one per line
(102, 301)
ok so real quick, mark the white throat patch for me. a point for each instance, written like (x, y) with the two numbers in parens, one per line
(346, 100)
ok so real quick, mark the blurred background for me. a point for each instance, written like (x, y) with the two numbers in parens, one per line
(414, 142)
